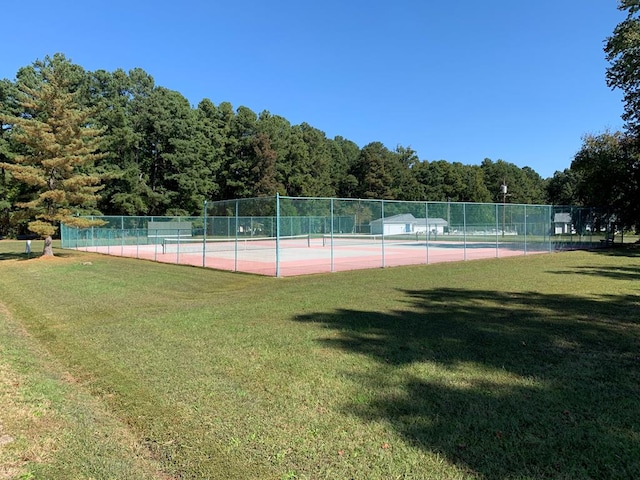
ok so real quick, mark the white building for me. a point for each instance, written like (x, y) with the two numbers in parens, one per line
(406, 223)
(562, 224)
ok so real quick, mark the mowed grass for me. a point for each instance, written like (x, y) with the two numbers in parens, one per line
(514, 368)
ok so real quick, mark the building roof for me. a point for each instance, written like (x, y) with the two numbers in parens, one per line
(405, 218)
(562, 218)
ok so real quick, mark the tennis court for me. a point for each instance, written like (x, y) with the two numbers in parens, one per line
(306, 255)
(286, 236)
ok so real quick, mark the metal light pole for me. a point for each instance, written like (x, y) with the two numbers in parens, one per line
(503, 190)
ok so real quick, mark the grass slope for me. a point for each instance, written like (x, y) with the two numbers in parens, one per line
(511, 368)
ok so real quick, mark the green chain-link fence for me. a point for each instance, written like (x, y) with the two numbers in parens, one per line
(287, 236)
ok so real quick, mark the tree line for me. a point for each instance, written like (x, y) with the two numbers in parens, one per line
(161, 156)
(155, 154)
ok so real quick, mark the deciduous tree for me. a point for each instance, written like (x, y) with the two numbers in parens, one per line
(621, 50)
(608, 166)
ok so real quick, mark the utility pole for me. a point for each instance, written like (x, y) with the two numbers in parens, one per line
(503, 190)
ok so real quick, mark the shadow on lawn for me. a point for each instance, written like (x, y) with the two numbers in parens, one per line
(26, 257)
(503, 384)
(613, 273)
(15, 250)
(621, 250)
(16, 256)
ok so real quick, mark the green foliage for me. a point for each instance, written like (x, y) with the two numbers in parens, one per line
(60, 145)
(608, 169)
(162, 156)
(373, 170)
(611, 161)
(562, 188)
(524, 185)
(624, 71)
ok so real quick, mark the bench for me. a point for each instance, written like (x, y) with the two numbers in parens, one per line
(607, 241)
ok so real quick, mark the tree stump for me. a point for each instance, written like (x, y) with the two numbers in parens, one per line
(48, 249)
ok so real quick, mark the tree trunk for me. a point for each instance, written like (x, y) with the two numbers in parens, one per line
(48, 249)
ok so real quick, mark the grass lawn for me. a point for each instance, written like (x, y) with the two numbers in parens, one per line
(520, 368)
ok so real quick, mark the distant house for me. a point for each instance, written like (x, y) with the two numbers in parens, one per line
(562, 223)
(406, 223)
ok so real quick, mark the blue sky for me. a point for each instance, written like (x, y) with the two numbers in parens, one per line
(517, 80)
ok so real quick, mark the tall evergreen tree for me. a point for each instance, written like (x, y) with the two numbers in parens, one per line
(315, 166)
(116, 98)
(344, 155)
(475, 188)
(239, 154)
(60, 146)
(372, 171)
(562, 188)
(524, 185)
(7, 192)
(405, 185)
(263, 171)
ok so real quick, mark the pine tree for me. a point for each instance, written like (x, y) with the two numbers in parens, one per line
(60, 146)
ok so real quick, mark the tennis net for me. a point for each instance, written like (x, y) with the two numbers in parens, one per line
(337, 240)
(195, 245)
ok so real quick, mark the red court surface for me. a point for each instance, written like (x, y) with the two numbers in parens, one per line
(312, 257)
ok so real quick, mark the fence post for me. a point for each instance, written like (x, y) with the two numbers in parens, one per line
(525, 229)
(331, 253)
(497, 232)
(277, 234)
(464, 228)
(235, 244)
(178, 245)
(382, 223)
(551, 227)
(121, 236)
(426, 232)
(204, 235)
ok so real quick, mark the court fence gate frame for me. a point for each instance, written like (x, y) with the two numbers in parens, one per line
(285, 236)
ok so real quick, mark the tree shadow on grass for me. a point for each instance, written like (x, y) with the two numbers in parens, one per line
(612, 273)
(504, 385)
(16, 256)
(26, 257)
(631, 250)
